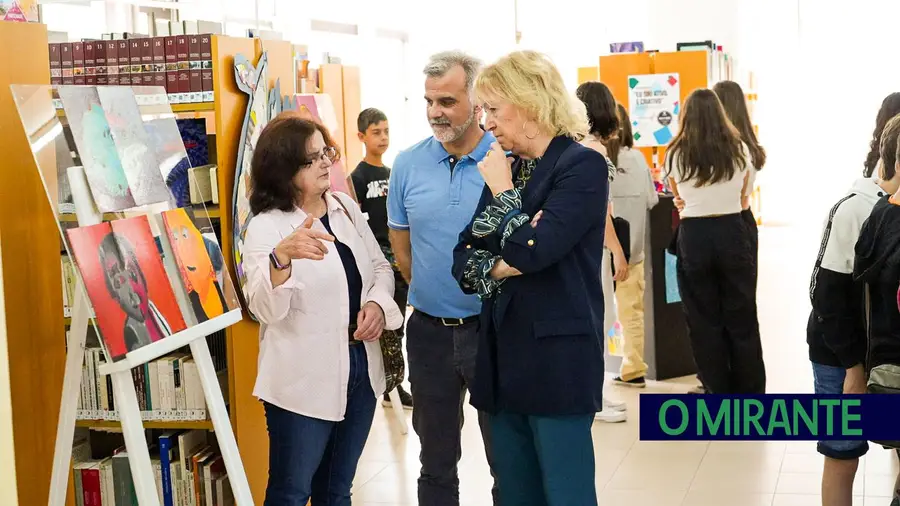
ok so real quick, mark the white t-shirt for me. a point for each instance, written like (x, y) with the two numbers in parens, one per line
(723, 197)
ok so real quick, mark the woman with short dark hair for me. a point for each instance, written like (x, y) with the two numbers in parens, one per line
(323, 293)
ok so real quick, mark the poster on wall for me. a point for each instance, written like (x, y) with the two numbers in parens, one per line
(654, 104)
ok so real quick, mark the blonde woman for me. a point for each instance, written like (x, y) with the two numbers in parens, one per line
(532, 253)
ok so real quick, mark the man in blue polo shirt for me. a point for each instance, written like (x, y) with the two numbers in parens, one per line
(434, 189)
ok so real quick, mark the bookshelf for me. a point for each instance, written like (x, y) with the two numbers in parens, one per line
(33, 286)
(184, 425)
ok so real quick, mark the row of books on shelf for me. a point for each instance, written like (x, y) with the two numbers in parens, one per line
(168, 389)
(182, 64)
(188, 470)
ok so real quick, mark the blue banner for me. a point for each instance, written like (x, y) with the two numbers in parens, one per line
(774, 417)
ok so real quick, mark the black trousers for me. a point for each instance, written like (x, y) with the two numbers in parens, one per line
(441, 368)
(716, 270)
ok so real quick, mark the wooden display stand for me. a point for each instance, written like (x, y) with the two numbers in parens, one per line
(31, 277)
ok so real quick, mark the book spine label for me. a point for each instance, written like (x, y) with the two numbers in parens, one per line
(78, 63)
(67, 63)
(206, 73)
(124, 57)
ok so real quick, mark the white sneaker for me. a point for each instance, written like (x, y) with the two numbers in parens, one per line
(610, 416)
(614, 405)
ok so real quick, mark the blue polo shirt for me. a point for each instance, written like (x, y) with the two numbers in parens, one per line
(435, 204)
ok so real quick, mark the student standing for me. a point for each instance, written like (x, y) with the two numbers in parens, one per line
(707, 165)
(370, 182)
(434, 190)
(836, 331)
(633, 195)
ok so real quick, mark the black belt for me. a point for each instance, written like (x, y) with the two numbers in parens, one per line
(450, 322)
(351, 329)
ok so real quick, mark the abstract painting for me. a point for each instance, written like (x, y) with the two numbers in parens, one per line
(91, 131)
(133, 145)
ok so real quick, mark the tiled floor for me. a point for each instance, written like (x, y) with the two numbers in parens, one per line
(635, 473)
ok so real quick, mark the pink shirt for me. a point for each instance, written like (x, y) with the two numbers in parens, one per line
(304, 360)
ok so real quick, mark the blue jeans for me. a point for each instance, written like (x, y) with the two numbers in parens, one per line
(829, 379)
(544, 461)
(316, 459)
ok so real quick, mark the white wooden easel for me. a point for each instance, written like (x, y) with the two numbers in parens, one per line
(123, 386)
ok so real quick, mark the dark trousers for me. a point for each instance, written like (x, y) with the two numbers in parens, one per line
(441, 367)
(544, 461)
(316, 459)
(716, 270)
(753, 228)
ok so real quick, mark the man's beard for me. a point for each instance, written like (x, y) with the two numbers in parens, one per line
(451, 134)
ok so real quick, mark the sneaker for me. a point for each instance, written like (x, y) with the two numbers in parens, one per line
(638, 382)
(610, 416)
(609, 404)
(701, 390)
(405, 399)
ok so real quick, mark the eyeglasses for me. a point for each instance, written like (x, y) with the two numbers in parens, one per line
(328, 153)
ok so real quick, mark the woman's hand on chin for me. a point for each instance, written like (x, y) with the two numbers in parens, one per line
(496, 169)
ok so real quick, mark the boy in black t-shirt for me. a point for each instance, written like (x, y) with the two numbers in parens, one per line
(370, 182)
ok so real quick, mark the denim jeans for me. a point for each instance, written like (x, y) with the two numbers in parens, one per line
(441, 367)
(829, 380)
(316, 459)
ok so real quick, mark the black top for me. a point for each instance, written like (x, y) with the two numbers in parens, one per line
(354, 280)
(371, 186)
(877, 264)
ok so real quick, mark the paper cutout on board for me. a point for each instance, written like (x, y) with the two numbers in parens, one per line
(252, 80)
(320, 109)
(673, 294)
(126, 283)
(615, 340)
(653, 103)
(91, 132)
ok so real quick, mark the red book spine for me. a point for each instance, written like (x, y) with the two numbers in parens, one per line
(90, 482)
(134, 61)
(171, 69)
(78, 62)
(112, 62)
(159, 61)
(183, 65)
(100, 52)
(147, 62)
(206, 73)
(90, 63)
(65, 52)
(55, 64)
(196, 67)
(124, 57)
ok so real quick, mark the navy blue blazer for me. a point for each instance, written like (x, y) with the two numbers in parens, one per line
(541, 335)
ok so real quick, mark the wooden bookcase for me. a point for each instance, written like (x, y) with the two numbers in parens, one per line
(30, 254)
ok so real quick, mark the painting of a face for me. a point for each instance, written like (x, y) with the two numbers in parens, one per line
(126, 284)
(193, 260)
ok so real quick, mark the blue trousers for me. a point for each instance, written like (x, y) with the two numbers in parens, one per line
(317, 459)
(544, 461)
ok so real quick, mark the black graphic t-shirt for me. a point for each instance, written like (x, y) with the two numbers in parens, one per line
(371, 186)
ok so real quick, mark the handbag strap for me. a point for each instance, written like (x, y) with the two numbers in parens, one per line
(344, 208)
(822, 247)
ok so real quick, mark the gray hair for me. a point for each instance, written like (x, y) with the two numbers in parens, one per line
(441, 63)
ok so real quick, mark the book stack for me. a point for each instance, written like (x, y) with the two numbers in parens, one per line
(188, 468)
(168, 390)
(181, 64)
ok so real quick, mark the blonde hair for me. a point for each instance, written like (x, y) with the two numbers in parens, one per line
(531, 82)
